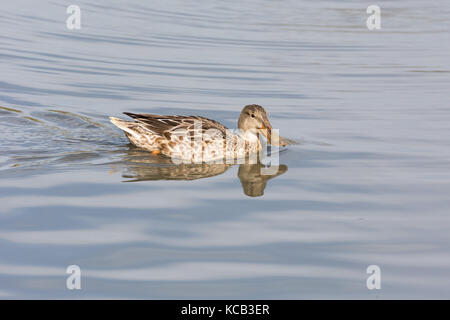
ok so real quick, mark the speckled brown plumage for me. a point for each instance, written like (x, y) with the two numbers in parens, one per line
(195, 139)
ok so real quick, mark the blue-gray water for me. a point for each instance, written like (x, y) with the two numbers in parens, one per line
(368, 183)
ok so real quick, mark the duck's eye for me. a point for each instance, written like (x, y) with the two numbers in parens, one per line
(253, 115)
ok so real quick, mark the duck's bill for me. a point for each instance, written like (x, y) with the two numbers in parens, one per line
(277, 140)
(272, 136)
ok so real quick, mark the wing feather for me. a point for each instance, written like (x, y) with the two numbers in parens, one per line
(165, 125)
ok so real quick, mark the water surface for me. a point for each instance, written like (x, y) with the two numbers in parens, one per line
(368, 183)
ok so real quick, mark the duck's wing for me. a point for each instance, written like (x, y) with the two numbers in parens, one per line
(167, 125)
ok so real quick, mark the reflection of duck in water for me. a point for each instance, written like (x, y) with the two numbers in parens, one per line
(173, 172)
(144, 168)
(253, 181)
(162, 134)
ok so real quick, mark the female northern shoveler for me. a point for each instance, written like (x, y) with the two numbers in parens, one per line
(198, 139)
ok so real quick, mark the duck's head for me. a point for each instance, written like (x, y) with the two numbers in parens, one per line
(254, 118)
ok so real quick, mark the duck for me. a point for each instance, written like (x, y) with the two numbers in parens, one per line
(196, 139)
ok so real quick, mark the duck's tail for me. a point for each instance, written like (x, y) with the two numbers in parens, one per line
(128, 126)
(137, 135)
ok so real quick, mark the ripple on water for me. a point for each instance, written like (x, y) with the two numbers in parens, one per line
(365, 180)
